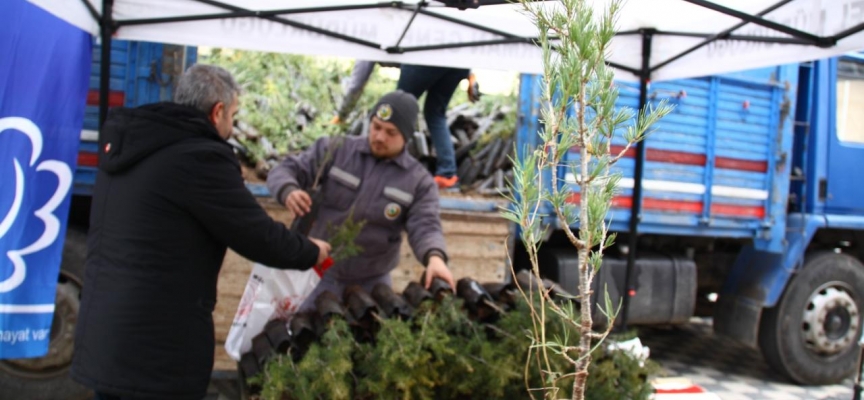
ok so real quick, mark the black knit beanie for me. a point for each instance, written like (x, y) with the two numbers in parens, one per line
(399, 108)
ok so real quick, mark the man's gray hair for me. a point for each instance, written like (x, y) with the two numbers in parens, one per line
(202, 86)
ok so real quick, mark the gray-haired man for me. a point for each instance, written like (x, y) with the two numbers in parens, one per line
(169, 199)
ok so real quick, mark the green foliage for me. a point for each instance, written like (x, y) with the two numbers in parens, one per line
(342, 237)
(442, 354)
(324, 373)
(291, 99)
(619, 376)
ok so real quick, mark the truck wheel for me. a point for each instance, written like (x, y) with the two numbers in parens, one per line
(811, 334)
(48, 377)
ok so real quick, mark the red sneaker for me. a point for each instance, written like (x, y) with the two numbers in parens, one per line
(446, 183)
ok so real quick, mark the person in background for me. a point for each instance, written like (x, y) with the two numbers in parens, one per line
(169, 200)
(438, 83)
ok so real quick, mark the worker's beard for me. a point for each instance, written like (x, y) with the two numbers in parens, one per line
(380, 150)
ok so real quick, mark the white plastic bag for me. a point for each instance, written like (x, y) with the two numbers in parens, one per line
(270, 293)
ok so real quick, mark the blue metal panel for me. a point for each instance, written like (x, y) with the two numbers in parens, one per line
(132, 65)
(530, 89)
(817, 141)
(741, 179)
(119, 61)
(130, 72)
(679, 224)
(88, 147)
(733, 146)
(191, 57)
(455, 204)
(754, 277)
(142, 84)
(710, 146)
(83, 181)
(842, 221)
(258, 190)
(802, 129)
(733, 116)
(779, 166)
(759, 277)
(800, 229)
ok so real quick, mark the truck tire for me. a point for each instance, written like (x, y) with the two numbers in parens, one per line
(48, 377)
(811, 334)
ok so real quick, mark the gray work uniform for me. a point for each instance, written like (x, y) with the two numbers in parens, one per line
(390, 195)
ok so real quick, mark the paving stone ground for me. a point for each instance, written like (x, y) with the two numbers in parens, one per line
(726, 368)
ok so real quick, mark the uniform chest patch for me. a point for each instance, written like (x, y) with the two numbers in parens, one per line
(392, 211)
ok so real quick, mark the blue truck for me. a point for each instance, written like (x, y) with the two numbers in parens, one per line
(748, 212)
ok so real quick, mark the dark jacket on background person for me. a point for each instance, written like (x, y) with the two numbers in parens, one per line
(392, 196)
(169, 199)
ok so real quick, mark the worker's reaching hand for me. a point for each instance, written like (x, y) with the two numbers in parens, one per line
(437, 268)
(298, 202)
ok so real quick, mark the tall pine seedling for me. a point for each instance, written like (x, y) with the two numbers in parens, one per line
(579, 114)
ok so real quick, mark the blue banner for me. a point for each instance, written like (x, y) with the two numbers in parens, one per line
(44, 76)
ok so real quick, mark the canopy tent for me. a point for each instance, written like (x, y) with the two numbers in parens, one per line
(688, 37)
(656, 39)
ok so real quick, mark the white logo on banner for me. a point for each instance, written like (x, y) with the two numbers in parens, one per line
(46, 213)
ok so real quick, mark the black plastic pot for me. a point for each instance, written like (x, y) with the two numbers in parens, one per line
(416, 294)
(477, 300)
(390, 303)
(278, 335)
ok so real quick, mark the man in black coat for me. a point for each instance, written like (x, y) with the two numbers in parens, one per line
(169, 199)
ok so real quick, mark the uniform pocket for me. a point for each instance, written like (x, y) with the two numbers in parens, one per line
(398, 195)
(390, 208)
(341, 189)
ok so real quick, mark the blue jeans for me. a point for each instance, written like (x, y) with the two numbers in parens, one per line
(439, 84)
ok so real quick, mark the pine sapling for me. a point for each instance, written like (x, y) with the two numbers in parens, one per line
(580, 115)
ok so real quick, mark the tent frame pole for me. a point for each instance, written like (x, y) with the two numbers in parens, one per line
(812, 39)
(636, 204)
(246, 13)
(91, 9)
(106, 30)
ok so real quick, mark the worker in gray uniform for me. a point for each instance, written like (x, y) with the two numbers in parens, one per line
(373, 178)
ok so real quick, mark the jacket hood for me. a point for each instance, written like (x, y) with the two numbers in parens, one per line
(132, 134)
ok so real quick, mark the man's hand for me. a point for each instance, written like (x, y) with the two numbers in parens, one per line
(298, 202)
(438, 269)
(323, 249)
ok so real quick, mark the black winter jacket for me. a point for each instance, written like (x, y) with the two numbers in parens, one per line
(169, 199)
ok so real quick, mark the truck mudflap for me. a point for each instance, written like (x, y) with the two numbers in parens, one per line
(738, 318)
